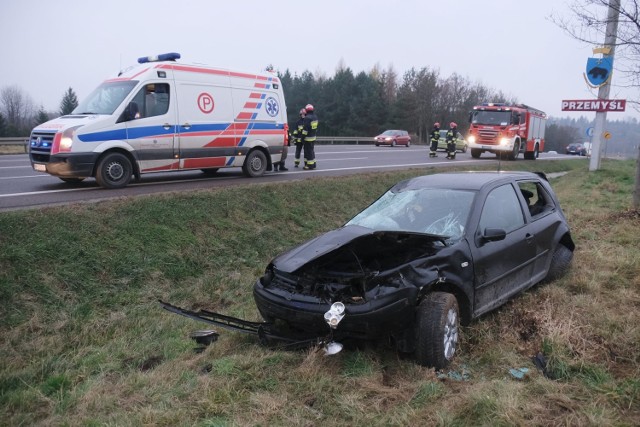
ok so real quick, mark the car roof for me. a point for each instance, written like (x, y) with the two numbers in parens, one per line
(463, 180)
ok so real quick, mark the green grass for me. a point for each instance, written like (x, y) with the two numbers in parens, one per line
(84, 342)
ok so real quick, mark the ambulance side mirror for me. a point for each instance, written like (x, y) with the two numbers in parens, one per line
(131, 112)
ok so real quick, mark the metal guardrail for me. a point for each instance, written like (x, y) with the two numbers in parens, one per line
(14, 141)
(365, 140)
(21, 141)
(337, 140)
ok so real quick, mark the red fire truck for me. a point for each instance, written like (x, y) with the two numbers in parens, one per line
(506, 130)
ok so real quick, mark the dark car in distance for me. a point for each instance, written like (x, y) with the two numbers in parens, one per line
(431, 253)
(393, 138)
(576, 148)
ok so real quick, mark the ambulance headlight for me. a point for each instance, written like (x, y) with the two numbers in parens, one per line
(334, 315)
(63, 141)
(471, 139)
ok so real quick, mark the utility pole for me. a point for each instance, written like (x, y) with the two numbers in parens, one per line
(611, 33)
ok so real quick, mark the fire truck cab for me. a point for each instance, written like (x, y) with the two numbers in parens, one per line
(506, 130)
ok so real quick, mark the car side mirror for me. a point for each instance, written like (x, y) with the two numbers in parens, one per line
(492, 235)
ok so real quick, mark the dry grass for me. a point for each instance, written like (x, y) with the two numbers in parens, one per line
(83, 341)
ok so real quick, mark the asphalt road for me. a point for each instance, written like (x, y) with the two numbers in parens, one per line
(21, 187)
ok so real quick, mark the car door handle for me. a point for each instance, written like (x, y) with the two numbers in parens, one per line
(529, 238)
(186, 126)
(166, 126)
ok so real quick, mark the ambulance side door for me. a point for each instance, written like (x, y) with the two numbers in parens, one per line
(205, 124)
(152, 127)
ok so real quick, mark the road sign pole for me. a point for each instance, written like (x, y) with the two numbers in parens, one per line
(603, 92)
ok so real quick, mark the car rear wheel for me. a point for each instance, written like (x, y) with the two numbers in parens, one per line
(255, 164)
(114, 171)
(437, 325)
(560, 262)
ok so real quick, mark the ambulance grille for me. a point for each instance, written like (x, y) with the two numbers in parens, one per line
(40, 146)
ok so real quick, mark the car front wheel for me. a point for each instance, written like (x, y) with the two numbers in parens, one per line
(437, 330)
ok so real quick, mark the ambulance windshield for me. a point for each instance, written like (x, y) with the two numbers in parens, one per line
(105, 98)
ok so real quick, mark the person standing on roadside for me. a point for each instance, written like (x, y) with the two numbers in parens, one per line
(435, 136)
(309, 132)
(451, 140)
(297, 137)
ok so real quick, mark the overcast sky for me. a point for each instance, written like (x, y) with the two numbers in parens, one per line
(508, 45)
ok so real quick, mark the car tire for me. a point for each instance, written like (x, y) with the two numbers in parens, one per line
(114, 171)
(560, 263)
(255, 164)
(475, 153)
(437, 325)
(393, 143)
(464, 148)
(408, 143)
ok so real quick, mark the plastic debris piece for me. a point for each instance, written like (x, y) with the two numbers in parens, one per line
(519, 373)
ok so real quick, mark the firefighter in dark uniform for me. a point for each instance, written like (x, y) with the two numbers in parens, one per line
(309, 132)
(435, 136)
(451, 140)
(297, 137)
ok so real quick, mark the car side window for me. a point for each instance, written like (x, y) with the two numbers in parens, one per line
(502, 210)
(538, 200)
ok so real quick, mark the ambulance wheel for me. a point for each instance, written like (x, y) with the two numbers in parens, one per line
(114, 171)
(72, 180)
(255, 164)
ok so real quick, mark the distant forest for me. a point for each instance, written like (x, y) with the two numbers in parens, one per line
(368, 103)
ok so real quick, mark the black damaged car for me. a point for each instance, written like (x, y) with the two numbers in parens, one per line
(433, 252)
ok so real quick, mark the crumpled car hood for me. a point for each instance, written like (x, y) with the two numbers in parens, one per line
(361, 243)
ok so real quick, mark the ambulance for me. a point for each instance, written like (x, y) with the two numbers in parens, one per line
(162, 116)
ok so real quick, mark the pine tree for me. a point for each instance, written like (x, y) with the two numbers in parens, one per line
(41, 116)
(3, 126)
(69, 102)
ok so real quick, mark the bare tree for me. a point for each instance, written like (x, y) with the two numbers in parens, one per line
(588, 24)
(18, 109)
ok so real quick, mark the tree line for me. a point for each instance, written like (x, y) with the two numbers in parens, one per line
(348, 104)
(18, 113)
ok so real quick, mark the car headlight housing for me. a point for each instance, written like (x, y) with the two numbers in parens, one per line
(334, 315)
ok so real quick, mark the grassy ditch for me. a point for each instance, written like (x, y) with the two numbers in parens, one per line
(83, 341)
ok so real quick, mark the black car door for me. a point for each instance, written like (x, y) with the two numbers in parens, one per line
(502, 267)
